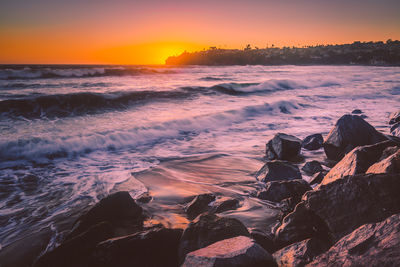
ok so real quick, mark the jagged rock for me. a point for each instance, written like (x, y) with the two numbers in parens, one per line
(278, 170)
(313, 142)
(318, 177)
(387, 152)
(283, 146)
(357, 161)
(199, 205)
(357, 111)
(208, 229)
(395, 129)
(120, 209)
(338, 208)
(266, 241)
(276, 191)
(76, 251)
(236, 251)
(388, 165)
(349, 132)
(224, 204)
(312, 167)
(375, 244)
(394, 117)
(300, 253)
(156, 247)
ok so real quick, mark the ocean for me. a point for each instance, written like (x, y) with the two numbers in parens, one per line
(72, 134)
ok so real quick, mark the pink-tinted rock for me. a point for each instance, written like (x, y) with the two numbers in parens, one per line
(388, 165)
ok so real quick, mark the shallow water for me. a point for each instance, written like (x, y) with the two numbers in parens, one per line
(72, 134)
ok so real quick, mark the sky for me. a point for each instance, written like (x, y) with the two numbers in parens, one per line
(147, 32)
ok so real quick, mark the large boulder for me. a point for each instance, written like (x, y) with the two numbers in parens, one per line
(357, 161)
(337, 208)
(265, 240)
(278, 170)
(119, 209)
(313, 142)
(312, 167)
(277, 191)
(156, 247)
(349, 132)
(283, 146)
(394, 117)
(199, 205)
(388, 165)
(236, 251)
(208, 229)
(300, 253)
(375, 244)
(318, 177)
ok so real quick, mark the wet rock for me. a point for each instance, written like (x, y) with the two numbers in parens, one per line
(156, 247)
(199, 205)
(144, 198)
(357, 111)
(266, 241)
(236, 251)
(395, 129)
(339, 207)
(394, 117)
(313, 142)
(375, 244)
(120, 209)
(224, 204)
(388, 165)
(276, 191)
(318, 177)
(357, 161)
(278, 170)
(349, 132)
(76, 251)
(208, 229)
(312, 167)
(300, 253)
(283, 146)
(387, 152)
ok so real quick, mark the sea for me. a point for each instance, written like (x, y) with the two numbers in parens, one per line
(72, 134)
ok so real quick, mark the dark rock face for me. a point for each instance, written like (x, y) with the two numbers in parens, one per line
(395, 129)
(76, 251)
(349, 132)
(283, 146)
(300, 253)
(339, 207)
(312, 167)
(199, 205)
(357, 111)
(388, 165)
(266, 241)
(387, 152)
(357, 161)
(374, 244)
(277, 191)
(120, 209)
(157, 247)
(278, 170)
(394, 117)
(224, 204)
(236, 251)
(313, 142)
(208, 229)
(318, 177)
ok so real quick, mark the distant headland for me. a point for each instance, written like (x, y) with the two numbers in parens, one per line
(358, 53)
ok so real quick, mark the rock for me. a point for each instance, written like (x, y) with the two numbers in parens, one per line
(300, 253)
(387, 152)
(156, 247)
(313, 142)
(76, 251)
(349, 132)
(395, 129)
(266, 241)
(312, 167)
(375, 244)
(394, 117)
(356, 111)
(120, 209)
(276, 191)
(278, 170)
(236, 251)
(338, 208)
(357, 161)
(388, 165)
(318, 177)
(208, 229)
(224, 204)
(199, 205)
(283, 146)
(144, 198)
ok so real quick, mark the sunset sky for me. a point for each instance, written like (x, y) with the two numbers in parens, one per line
(147, 32)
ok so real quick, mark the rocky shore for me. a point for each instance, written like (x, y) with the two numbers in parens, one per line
(348, 213)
